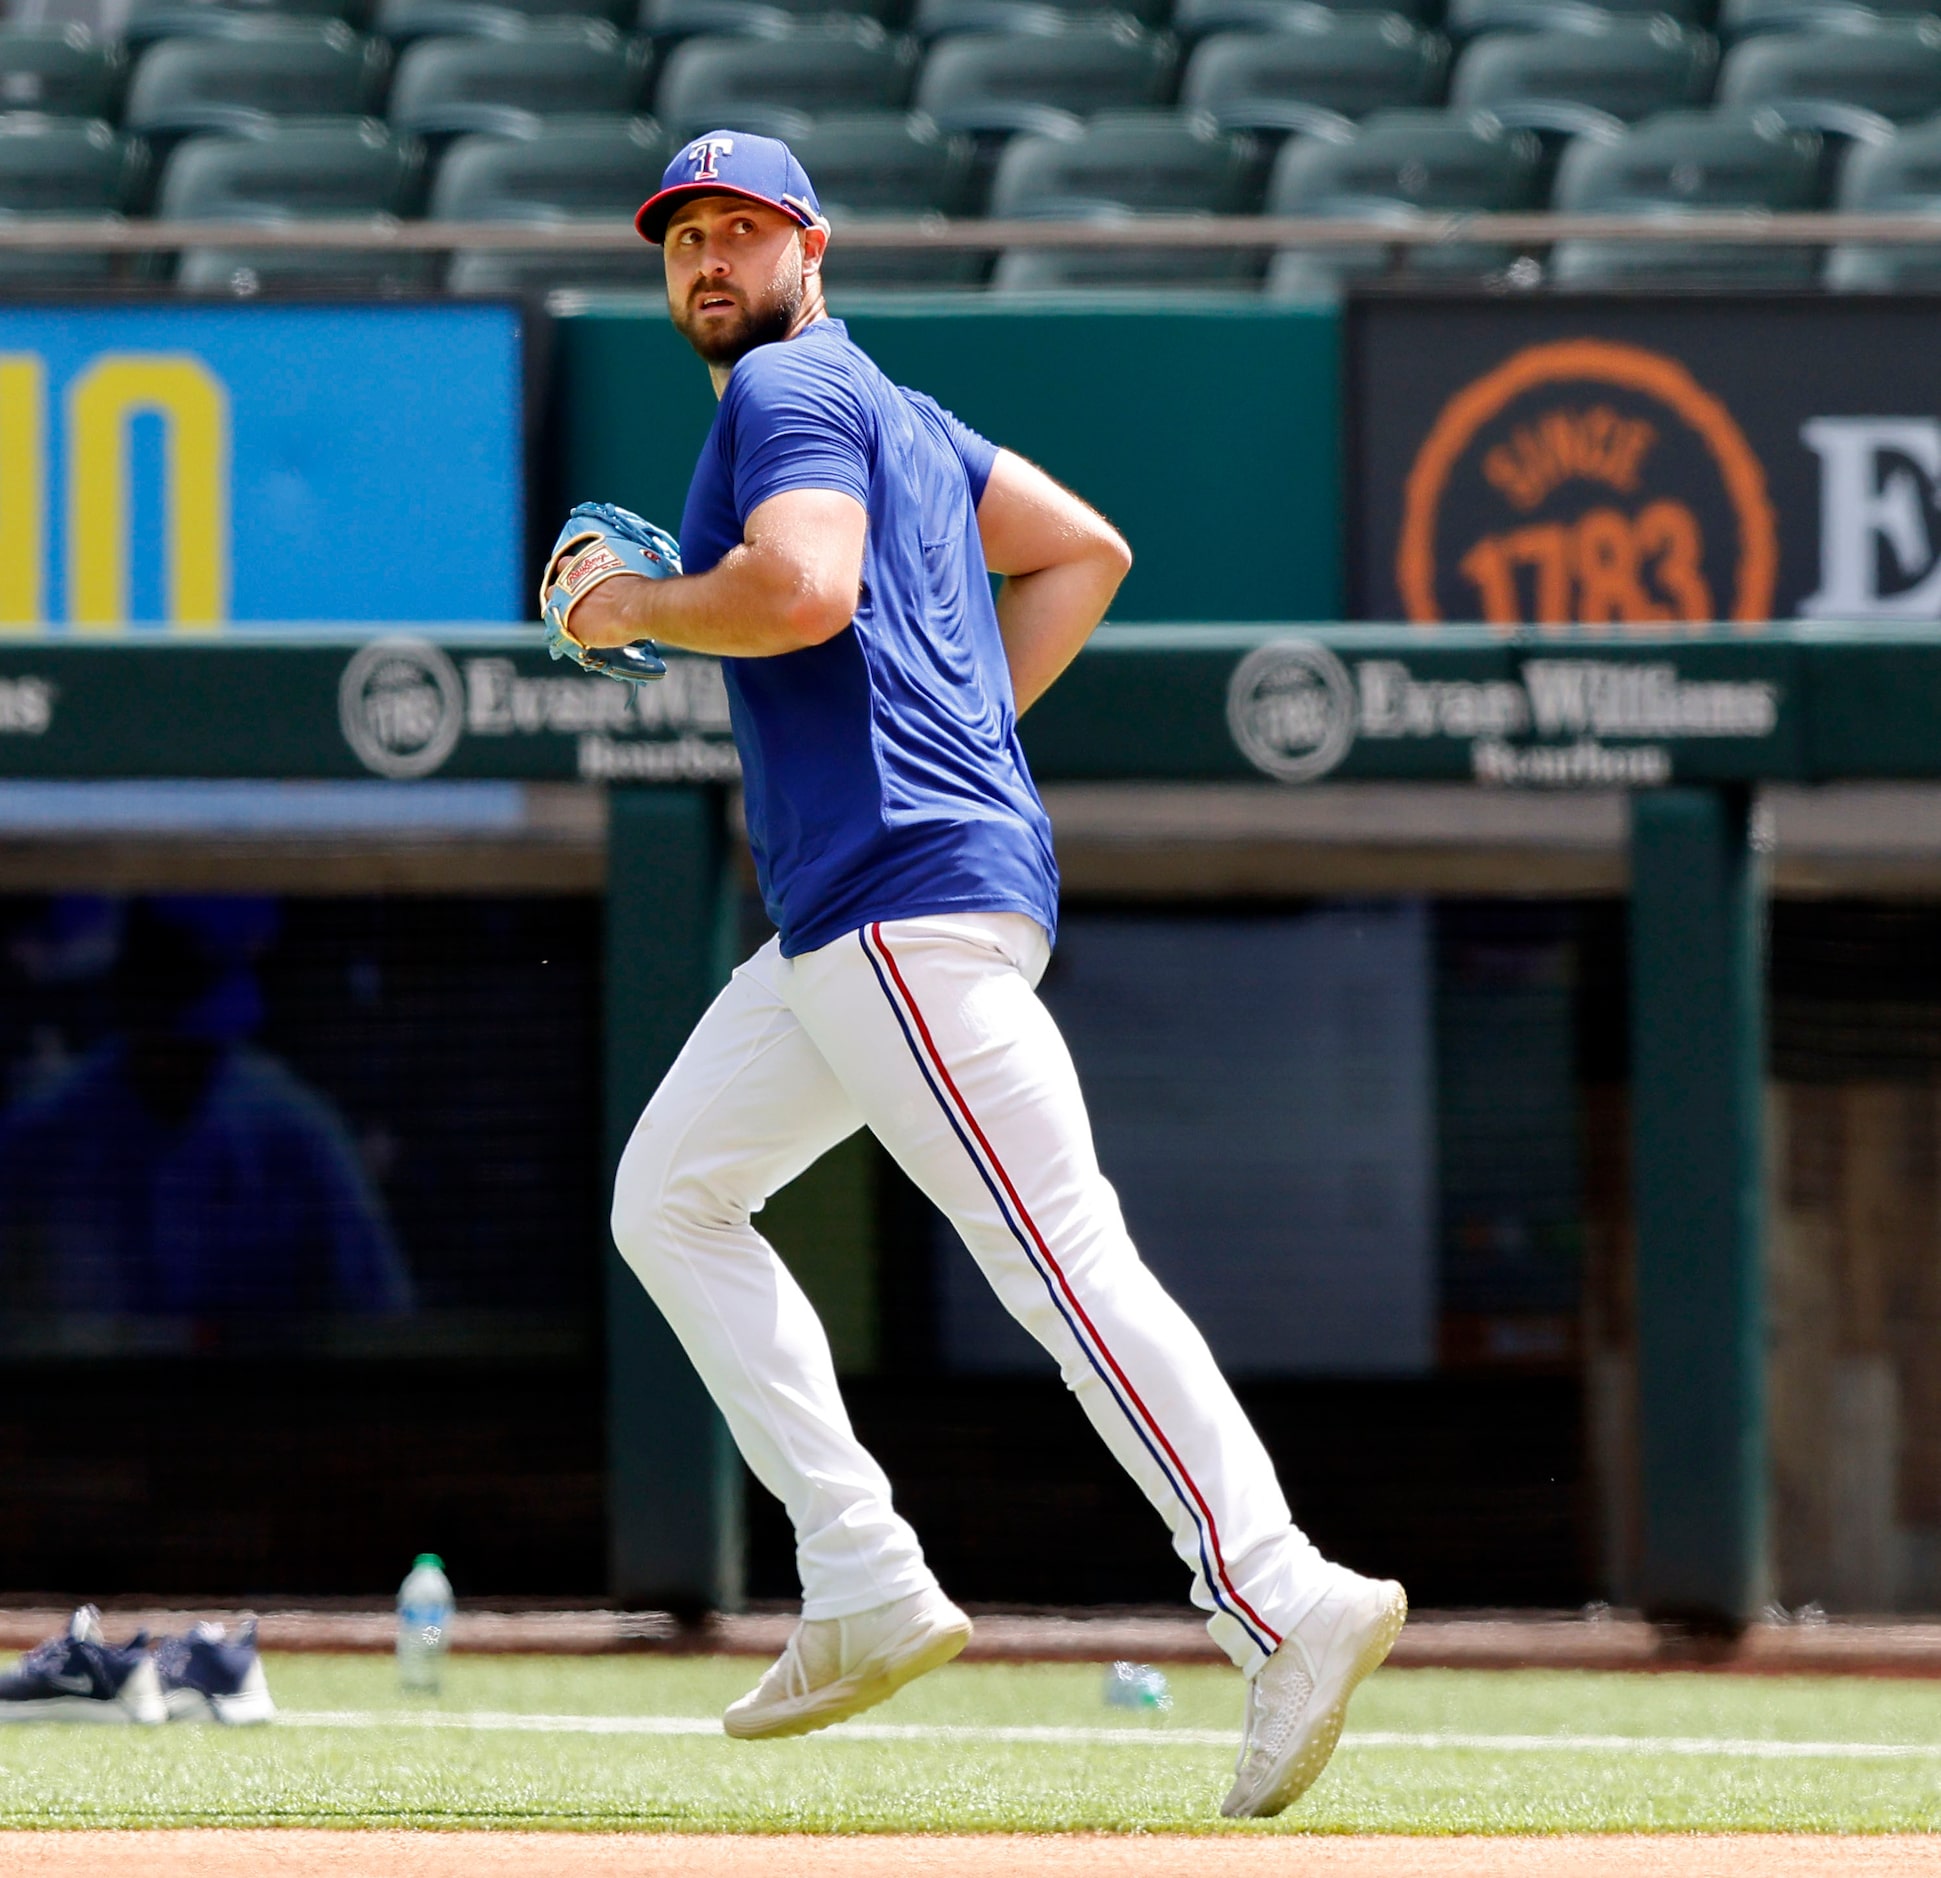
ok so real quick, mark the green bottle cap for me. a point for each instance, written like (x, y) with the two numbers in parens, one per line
(428, 1558)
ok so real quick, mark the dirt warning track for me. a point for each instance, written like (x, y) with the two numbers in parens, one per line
(304, 1854)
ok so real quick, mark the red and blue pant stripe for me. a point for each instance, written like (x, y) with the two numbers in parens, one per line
(1017, 1218)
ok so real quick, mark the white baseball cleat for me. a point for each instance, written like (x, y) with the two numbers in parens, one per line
(837, 1667)
(1296, 1705)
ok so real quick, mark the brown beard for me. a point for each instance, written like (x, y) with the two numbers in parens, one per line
(758, 325)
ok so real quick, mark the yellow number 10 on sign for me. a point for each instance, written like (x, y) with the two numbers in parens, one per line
(102, 400)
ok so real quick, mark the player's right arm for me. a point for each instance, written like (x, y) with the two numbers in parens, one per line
(794, 581)
(1062, 562)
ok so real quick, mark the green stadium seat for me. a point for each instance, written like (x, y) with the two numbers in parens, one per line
(293, 170)
(599, 169)
(1398, 166)
(1901, 176)
(1677, 162)
(1469, 19)
(1741, 19)
(878, 165)
(938, 19)
(1128, 162)
(1316, 80)
(67, 167)
(294, 68)
(150, 20)
(297, 170)
(1194, 20)
(993, 86)
(63, 71)
(1845, 84)
(593, 174)
(1415, 162)
(888, 163)
(449, 87)
(668, 22)
(1585, 82)
(774, 86)
(404, 22)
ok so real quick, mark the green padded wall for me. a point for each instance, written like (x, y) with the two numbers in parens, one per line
(1209, 432)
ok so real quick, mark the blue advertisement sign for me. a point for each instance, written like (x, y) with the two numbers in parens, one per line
(184, 466)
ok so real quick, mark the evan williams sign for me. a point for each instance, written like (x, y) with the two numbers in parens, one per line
(1589, 482)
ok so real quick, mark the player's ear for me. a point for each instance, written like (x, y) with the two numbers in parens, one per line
(815, 242)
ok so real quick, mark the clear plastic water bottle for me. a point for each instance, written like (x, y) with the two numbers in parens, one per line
(424, 1624)
(1137, 1686)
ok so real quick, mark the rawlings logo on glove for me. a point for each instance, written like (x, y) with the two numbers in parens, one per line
(598, 542)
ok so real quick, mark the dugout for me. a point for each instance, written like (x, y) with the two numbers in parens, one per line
(1154, 752)
(1479, 1436)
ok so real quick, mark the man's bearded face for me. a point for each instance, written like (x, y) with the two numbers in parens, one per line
(735, 279)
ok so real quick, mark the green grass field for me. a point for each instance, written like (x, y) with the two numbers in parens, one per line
(627, 1743)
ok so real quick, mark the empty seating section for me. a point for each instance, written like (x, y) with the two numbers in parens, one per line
(773, 86)
(873, 165)
(314, 168)
(592, 172)
(1398, 166)
(1128, 162)
(932, 20)
(339, 168)
(67, 167)
(283, 68)
(1740, 19)
(404, 21)
(995, 85)
(447, 87)
(1901, 176)
(668, 22)
(1467, 18)
(1685, 160)
(1144, 163)
(1317, 78)
(1571, 84)
(1847, 84)
(1155, 113)
(64, 71)
(150, 20)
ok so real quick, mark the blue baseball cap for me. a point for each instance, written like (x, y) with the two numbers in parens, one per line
(731, 163)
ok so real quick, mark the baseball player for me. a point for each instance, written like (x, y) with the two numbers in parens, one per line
(837, 542)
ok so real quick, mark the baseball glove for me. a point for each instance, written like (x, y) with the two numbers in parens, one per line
(598, 542)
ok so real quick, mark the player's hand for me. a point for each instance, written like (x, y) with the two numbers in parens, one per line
(604, 613)
(603, 547)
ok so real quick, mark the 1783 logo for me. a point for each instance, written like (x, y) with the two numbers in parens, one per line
(1587, 482)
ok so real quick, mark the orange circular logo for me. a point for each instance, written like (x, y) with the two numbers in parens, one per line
(1587, 483)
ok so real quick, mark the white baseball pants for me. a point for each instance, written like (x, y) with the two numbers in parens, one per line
(930, 1033)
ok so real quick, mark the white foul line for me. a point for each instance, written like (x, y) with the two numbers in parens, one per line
(487, 1721)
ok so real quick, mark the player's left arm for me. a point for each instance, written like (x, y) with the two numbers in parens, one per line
(1062, 562)
(795, 581)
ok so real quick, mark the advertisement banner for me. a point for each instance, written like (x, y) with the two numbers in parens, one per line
(191, 465)
(1644, 461)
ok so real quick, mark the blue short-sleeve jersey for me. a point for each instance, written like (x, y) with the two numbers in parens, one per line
(882, 770)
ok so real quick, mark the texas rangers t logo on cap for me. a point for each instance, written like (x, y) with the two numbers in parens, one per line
(733, 163)
(705, 153)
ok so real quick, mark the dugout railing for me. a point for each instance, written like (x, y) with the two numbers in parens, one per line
(1753, 229)
(1689, 722)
